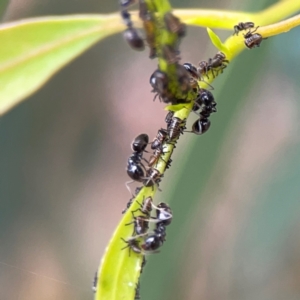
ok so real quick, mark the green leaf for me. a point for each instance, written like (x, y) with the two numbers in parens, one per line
(34, 49)
(217, 42)
(119, 272)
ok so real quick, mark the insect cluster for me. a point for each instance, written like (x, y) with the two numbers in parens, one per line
(149, 221)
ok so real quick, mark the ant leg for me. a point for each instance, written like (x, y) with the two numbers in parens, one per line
(128, 188)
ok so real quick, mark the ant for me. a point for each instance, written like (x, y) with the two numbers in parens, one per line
(242, 26)
(201, 126)
(131, 35)
(218, 63)
(135, 168)
(159, 82)
(205, 99)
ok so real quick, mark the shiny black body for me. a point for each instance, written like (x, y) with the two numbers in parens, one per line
(133, 39)
(252, 40)
(201, 126)
(140, 143)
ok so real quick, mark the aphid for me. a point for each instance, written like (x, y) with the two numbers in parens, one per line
(141, 224)
(252, 40)
(217, 63)
(95, 280)
(133, 39)
(153, 177)
(140, 143)
(145, 207)
(183, 78)
(242, 26)
(201, 126)
(174, 25)
(149, 26)
(175, 128)
(161, 137)
(205, 99)
(169, 117)
(170, 54)
(156, 156)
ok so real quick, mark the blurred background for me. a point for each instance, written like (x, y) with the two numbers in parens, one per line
(235, 192)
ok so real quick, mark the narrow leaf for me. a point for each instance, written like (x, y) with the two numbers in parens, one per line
(217, 42)
(34, 49)
(119, 271)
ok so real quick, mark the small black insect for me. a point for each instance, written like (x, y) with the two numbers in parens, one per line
(135, 168)
(215, 64)
(252, 40)
(205, 100)
(242, 26)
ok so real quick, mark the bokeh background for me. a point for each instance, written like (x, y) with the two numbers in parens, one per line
(235, 192)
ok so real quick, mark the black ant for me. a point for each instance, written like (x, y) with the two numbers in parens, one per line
(217, 63)
(201, 126)
(159, 82)
(242, 26)
(131, 35)
(205, 99)
(135, 168)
